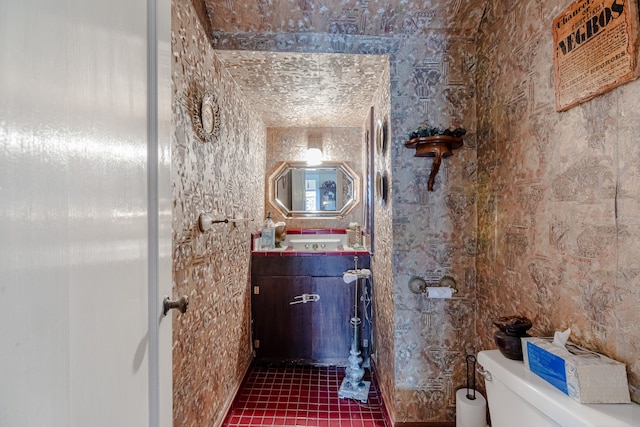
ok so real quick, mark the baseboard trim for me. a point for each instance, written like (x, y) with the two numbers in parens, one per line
(383, 406)
(229, 403)
(425, 424)
(385, 411)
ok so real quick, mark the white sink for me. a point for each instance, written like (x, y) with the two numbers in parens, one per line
(281, 249)
(315, 244)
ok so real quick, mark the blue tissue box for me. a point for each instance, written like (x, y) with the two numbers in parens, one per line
(583, 375)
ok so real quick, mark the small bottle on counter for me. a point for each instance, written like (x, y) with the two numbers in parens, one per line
(268, 235)
(354, 235)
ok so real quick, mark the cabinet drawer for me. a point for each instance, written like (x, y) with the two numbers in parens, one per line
(312, 265)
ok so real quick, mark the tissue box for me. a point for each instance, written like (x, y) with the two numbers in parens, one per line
(585, 376)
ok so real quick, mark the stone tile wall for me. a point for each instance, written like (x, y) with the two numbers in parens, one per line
(433, 234)
(558, 193)
(432, 80)
(551, 198)
(223, 176)
(383, 346)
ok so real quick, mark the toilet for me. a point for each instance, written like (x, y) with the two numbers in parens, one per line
(518, 397)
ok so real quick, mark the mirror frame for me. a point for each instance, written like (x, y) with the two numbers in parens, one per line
(284, 167)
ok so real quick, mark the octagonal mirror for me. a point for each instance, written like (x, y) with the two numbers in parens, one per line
(298, 190)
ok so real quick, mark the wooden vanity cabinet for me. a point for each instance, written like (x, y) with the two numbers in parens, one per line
(316, 332)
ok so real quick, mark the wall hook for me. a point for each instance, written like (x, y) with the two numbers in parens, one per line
(205, 221)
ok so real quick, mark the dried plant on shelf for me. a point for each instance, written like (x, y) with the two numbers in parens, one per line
(425, 131)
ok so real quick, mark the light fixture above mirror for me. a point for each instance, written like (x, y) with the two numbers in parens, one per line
(313, 156)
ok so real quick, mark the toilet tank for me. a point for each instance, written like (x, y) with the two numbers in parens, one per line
(518, 397)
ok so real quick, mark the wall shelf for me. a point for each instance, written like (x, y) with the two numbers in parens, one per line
(437, 146)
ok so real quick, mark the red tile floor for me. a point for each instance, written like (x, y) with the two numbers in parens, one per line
(293, 395)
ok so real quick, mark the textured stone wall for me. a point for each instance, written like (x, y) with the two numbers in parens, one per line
(432, 82)
(223, 176)
(383, 346)
(433, 234)
(551, 198)
(421, 344)
(558, 193)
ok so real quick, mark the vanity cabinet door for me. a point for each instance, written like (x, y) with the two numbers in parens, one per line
(281, 331)
(330, 319)
(315, 332)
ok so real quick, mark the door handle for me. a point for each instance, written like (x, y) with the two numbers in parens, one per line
(305, 298)
(486, 374)
(181, 304)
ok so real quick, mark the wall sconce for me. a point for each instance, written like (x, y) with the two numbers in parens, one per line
(313, 156)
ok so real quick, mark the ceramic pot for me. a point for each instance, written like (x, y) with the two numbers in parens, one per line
(507, 338)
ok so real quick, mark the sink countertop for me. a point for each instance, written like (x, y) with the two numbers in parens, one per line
(289, 251)
(309, 234)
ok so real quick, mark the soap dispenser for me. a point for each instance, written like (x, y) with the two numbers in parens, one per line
(267, 238)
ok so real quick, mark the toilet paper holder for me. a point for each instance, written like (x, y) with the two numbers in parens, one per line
(418, 285)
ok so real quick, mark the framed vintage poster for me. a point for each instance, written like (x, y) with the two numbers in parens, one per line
(596, 49)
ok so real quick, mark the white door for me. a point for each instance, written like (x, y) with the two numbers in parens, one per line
(84, 213)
